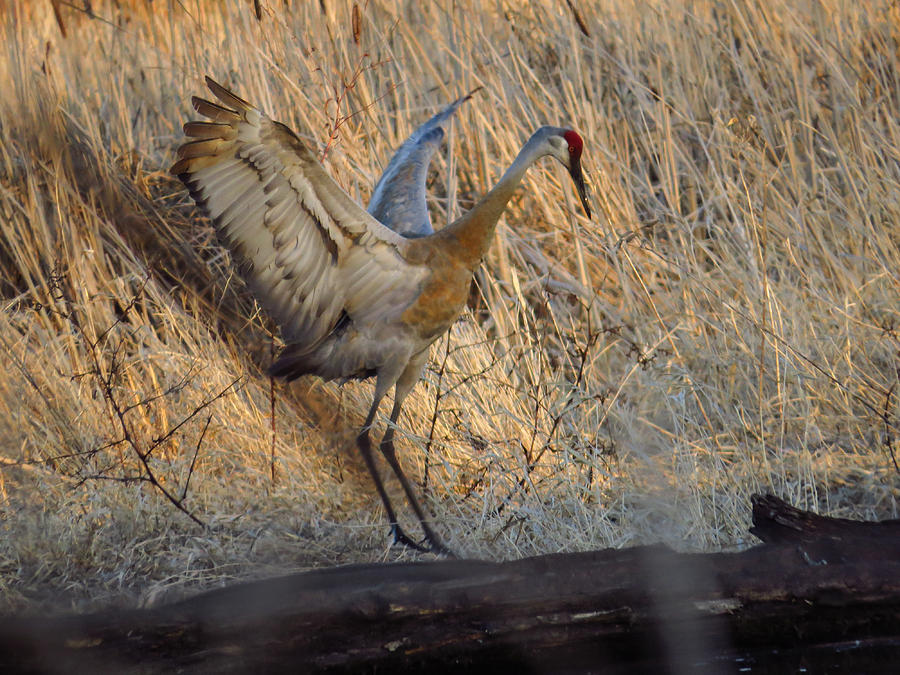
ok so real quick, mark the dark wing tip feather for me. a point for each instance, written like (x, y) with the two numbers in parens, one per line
(200, 148)
(209, 130)
(227, 96)
(214, 111)
(471, 94)
(180, 169)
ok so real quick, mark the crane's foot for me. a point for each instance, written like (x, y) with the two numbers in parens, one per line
(400, 537)
(431, 546)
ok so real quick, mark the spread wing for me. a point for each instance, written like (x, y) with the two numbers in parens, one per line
(399, 197)
(309, 253)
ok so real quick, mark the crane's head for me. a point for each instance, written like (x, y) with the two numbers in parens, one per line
(566, 146)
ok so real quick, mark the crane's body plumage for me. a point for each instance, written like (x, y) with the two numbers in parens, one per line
(353, 297)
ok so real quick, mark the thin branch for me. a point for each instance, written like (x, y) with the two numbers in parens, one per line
(106, 378)
(888, 436)
(160, 440)
(190, 473)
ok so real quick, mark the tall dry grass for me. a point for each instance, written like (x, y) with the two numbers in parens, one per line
(727, 324)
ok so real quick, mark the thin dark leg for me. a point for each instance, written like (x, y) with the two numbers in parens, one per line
(400, 537)
(387, 449)
(365, 449)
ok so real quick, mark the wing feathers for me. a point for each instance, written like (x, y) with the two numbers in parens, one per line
(221, 171)
(398, 200)
(227, 97)
(209, 130)
(202, 148)
(214, 111)
(309, 253)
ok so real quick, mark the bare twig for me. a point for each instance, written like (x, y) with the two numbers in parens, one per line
(272, 422)
(888, 434)
(190, 472)
(107, 361)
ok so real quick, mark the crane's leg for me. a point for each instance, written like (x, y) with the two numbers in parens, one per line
(405, 384)
(365, 449)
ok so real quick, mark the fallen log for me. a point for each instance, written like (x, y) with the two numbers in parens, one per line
(820, 594)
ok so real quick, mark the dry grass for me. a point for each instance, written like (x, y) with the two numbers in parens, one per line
(728, 323)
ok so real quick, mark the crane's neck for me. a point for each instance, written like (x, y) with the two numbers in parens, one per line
(472, 233)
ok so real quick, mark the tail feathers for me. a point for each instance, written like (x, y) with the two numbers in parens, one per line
(294, 361)
(331, 359)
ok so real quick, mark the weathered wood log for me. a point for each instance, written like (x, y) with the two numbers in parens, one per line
(795, 603)
(777, 522)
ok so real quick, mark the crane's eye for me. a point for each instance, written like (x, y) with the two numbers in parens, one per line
(571, 149)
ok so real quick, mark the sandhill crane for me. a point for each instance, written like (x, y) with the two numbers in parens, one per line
(353, 298)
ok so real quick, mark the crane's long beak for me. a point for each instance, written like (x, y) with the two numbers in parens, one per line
(580, 185)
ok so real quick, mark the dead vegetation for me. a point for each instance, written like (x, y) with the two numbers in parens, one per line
(728, 324)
